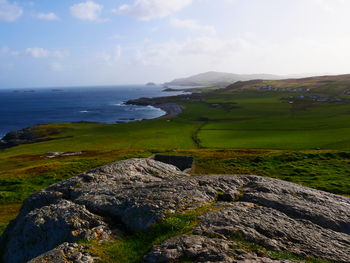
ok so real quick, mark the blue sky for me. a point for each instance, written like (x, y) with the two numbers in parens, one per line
(104, 42)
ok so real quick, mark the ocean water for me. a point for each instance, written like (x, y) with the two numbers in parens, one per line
(25, 107)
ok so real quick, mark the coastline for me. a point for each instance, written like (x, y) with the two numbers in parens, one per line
(93, 104)
(28, 135)
(171, 109)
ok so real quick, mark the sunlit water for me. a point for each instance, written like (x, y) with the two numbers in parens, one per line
(25, 107)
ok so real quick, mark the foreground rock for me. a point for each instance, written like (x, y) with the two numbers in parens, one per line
(132, 195)
(204, 249)
(67, 252)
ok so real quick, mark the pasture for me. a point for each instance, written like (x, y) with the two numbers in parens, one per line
(227, 132)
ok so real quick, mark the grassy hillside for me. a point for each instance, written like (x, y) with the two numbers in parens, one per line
(330, 85)
(218, 78)
(266, 122)
(228, 130)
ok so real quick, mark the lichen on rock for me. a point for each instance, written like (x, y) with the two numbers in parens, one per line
(133, 195)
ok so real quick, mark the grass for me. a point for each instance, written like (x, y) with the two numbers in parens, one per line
(133, 247)
(157, 134)
(24, 175)
(227, 132)
(327, 171)
(244, 244)
(266, 122)
(7, 213)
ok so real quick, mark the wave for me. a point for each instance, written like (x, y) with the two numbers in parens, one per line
(119, 104)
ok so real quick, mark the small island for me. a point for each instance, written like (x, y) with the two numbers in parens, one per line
(151, 84)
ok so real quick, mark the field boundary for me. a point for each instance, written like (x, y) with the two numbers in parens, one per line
(194, 136)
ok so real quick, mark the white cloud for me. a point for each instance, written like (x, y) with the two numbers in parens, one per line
(331, 5)
(150, 9)
(193, 52)
(37, 52)
(9, 12)
(243, 55)
(88, 10)
(192, 25)
(5, 51)
(111, 57)
(47, 16)
(150, 53)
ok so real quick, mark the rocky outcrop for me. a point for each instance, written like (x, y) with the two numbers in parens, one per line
(171, 109)
(44, 228)
(67, 252)
(134, 194)
(203, 249)
(37, 133)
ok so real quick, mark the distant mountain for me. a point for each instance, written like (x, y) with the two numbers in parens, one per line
(213, 78)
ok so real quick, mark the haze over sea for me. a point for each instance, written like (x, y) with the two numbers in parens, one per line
(21, 108)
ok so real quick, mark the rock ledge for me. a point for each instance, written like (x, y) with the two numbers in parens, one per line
(132, 195)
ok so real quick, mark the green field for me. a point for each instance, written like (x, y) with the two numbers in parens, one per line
(227, 132)
(266, 122)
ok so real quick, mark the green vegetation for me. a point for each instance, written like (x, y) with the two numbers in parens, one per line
(153, 134)
(325, 170)
(244, 244)
(7, 212)
(132, 248)
(252, 120)
(228, 131)
(328, 171)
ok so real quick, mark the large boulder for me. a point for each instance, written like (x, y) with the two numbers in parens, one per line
(204, 249)
(67, 252)
(134, 194)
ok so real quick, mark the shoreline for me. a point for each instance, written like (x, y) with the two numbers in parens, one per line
(26, 135)
(108, 116)
(171, 109)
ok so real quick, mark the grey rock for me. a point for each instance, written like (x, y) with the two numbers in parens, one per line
(28, 135)
(51, 155)
(132, 195)
(171, 109)
(44, 228)
(203, 249)
(323, 209)
(67, 252)
(275, 231)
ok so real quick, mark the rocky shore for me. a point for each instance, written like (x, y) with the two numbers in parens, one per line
(133, 195)
(28, 135)
(34, 134)
(171, 109)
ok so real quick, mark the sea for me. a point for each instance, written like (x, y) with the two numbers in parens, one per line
(20, 108)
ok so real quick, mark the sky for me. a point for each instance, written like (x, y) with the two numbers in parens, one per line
(110, 42)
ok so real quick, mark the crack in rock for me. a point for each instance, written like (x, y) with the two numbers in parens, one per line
(132, 195)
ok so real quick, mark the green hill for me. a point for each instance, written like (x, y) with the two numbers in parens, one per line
(213, 78)
(241, 129)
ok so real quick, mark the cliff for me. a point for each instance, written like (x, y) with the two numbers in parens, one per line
(132, 196)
